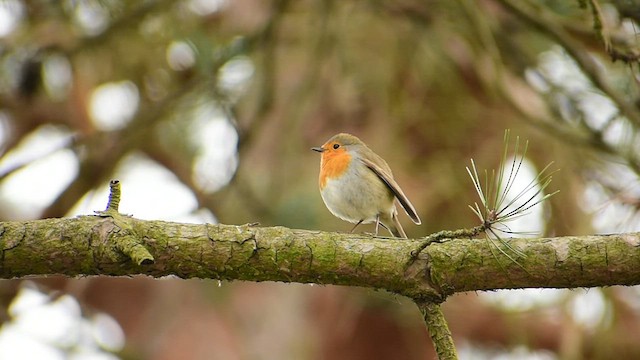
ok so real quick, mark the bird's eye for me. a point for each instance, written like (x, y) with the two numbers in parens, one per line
(335, 146)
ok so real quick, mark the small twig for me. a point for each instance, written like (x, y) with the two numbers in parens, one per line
(626, 57)
(598, 23)
(114, 195)
(124, 237)
(443, 235)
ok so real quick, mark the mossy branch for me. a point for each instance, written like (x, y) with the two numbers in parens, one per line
(134, 250)
(86, 246)
(438, 330)
(117, 245)
(443, 235)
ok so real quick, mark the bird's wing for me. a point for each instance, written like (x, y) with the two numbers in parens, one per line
(395, 188)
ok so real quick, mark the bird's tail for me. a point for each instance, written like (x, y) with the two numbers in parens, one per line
(394, 227)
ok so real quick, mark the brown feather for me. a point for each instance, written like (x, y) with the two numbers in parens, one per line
(395, 188)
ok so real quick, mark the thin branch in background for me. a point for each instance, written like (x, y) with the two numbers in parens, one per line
(266, 40)
(543, 20)
(598, 23)
(627, 55)
(64, 145)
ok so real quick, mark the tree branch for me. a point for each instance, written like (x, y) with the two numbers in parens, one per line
(118, 245)
(438, 329)
(88, 245)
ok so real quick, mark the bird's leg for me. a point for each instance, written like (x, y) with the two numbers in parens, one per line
(377, 223)
(359, 222)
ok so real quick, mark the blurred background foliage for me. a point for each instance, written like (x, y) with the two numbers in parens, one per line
(206, 110)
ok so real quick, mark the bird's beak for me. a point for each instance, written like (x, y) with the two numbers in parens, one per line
(318, 149)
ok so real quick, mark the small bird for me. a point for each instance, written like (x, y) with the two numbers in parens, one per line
(357, 185)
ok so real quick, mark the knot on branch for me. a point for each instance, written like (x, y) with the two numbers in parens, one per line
(129, 246)
(125, 240)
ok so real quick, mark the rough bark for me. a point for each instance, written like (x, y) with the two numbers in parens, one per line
(438, 330)
(93, 245)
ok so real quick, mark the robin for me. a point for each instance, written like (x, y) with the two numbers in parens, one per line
(357, 185)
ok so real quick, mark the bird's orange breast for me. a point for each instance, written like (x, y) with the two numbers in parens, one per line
(333, 164)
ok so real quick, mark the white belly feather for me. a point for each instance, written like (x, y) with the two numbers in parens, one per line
(357, 200)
